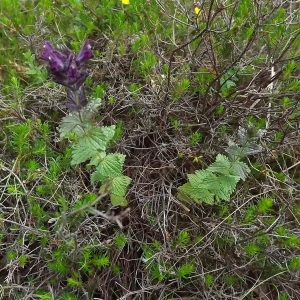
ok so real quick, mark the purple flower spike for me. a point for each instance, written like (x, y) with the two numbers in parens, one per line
(85, 52)
(67, 69)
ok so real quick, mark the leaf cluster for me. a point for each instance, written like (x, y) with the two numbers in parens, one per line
(90, 142)
(215, 183)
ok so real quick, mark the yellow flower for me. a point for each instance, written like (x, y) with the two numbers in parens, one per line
(197, 10)
(126, 2)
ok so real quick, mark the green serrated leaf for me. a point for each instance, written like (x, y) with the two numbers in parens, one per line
(117, 200)
(119, 185)
(227, 183)
(215, 183)
(97, 158)
(235, 151)
(199, 177)
(111, 166)
(241, 169)
(209, 182)
(91, 142)
(222, 195)
(197, 193)
(70, 123)
(97, 138)
(182, 196)
(91, 109)
(78, 122)
(80, 154)
(222, 165)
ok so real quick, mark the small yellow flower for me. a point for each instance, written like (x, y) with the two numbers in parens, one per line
(126, 2)
(197, 10)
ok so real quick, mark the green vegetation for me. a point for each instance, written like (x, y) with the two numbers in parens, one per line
(215, 183)
(180, 177)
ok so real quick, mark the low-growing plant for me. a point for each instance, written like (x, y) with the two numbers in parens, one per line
(209, 279)
(89, 140)
(185, 270)
(195, 138)
(38, 73)
(215, 183)
(183, 238)
(120, 240)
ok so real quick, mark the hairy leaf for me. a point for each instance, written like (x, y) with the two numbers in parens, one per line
(97, 158)
(222, 165)
(215, 183)
(197, 193)
(97, 138)
(91, 142)
(184, 197)
(90, 110)
(226, 186)
(117, 200)
(240, 169)
(109, 167)
(76, 98)
(119, 185)
(203, 178)
(77, 122)
(239, 152)
(209, 182)
(228, 183)
(80, 153)
(71, 123)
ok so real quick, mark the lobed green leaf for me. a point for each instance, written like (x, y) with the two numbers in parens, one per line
(109, 167)
(91, 142)
(241, 169)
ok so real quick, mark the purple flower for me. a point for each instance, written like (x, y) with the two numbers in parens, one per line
(85, 53)
(67, 69)
(55, 58)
